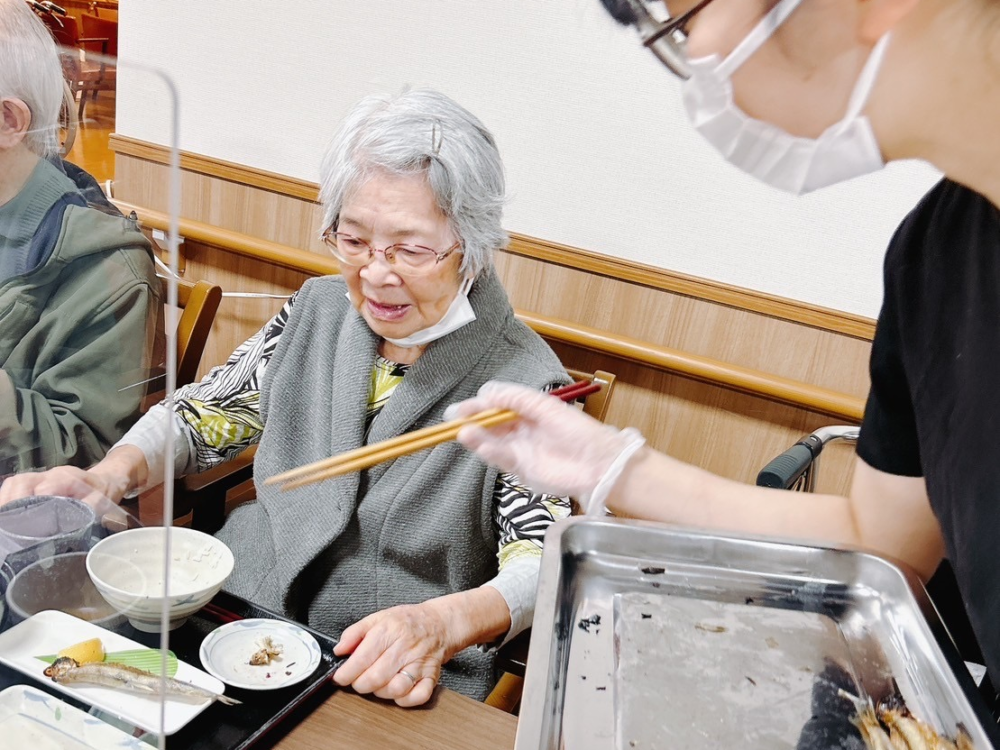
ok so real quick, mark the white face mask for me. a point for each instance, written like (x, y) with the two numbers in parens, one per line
(796, 165)
(458, 314)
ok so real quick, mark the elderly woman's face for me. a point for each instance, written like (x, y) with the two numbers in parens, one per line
(387, 210)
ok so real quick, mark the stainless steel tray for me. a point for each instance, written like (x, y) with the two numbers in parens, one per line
(647, 636)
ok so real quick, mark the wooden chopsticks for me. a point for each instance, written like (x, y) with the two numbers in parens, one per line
(369, 455)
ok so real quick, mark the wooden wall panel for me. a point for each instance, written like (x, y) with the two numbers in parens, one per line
(261, 213)
(745, 338)
(726, 432)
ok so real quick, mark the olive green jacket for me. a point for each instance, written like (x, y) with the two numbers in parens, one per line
(76, 334)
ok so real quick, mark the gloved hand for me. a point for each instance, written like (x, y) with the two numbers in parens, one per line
(552, 448)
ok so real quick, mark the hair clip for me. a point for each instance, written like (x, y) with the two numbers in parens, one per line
(437, 137)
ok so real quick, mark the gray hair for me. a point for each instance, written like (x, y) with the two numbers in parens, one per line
(423, 132)
(30, 71)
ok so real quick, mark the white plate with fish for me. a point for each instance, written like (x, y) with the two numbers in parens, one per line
(260, 654)
(30, 718)
(50, 631)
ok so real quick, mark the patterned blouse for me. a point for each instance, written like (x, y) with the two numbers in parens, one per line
(222, 418)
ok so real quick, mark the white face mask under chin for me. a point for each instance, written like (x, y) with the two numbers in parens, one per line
(458, 314)
(845, 150)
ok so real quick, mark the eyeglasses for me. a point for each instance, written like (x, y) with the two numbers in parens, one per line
(666, 39)
(408, 259)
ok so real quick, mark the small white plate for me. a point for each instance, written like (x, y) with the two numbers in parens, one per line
(49, 631)
(226, 654)
(30, 718)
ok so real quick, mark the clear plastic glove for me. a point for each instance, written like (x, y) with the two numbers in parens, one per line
(552, 448)
(397, 653)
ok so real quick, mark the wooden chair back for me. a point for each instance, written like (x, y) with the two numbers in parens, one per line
(596, 404)
(65, 29)
(102, 34)
(198, 302)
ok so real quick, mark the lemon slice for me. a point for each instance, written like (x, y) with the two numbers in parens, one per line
(85, 652)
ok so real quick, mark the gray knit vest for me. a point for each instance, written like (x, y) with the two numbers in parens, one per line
(402, 532)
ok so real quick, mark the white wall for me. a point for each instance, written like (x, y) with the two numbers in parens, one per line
(598, 152)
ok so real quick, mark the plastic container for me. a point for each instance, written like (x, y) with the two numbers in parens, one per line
(62, 583)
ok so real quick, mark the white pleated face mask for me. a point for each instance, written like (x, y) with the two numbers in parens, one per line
(790, 163)
(458, 314)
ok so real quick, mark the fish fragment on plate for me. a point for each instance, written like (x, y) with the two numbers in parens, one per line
(268, 649)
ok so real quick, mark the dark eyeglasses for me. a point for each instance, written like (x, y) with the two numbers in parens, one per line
(666, 39)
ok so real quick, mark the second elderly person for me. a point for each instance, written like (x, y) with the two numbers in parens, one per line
(414, 562)
(78, 294)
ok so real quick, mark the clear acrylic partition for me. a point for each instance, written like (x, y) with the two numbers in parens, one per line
(86, 349)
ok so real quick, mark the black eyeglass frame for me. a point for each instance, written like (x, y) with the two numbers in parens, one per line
(658, 36)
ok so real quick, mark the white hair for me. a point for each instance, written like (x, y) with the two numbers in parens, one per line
(30, 71)
(423, 132)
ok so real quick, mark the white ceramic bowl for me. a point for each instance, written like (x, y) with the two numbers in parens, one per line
(127, 568)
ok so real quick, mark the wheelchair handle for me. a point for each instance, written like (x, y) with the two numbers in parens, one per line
(785, 470)
(798, 462)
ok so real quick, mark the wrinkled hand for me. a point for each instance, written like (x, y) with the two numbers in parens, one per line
(553, 447)
(99, 490)
(411, 638)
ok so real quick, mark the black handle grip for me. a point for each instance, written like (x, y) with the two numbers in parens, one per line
(784, 470)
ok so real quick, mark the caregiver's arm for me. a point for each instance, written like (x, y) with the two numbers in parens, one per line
(883, 512)
(558, 449)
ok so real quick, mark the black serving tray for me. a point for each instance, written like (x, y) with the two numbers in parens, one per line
(218, 727)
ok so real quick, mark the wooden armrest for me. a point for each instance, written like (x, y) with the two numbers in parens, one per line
(506, 695)
(92, 39)
(223, 477)
(204, 494)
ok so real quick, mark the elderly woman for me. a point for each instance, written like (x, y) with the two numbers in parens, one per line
(401, 562)
(78, 292)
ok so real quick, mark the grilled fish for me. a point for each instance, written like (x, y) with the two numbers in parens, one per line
(67, 671)
(892, 727)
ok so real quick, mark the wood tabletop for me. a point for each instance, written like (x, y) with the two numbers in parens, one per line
(348, 721)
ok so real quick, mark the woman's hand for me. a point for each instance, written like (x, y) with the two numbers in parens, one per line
(101, 487)
(553, 447)
(397, 653)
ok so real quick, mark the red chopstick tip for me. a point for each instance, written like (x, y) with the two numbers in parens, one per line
(576, 390)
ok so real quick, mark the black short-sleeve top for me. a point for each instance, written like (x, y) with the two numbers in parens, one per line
(934, 407)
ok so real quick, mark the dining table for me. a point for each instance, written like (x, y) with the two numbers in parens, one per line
(346, 720)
